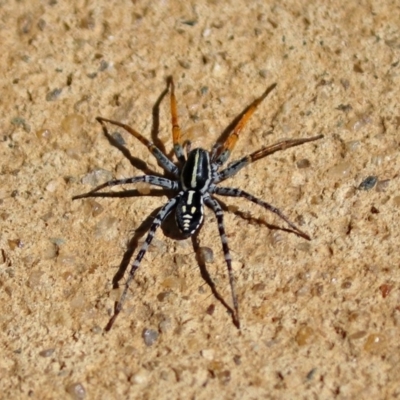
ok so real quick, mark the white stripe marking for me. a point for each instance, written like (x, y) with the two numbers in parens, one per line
(194, 175)
(190, 197)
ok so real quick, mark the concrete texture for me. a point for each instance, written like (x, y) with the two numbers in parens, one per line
(320, 319)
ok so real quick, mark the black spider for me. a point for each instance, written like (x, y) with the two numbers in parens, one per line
(196, 183)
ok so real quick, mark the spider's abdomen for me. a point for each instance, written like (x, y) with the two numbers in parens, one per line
(196, 173)
(189, 211)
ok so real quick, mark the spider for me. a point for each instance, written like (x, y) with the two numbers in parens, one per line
(195, 179)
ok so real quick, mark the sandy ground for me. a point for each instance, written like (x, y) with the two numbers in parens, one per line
(320, 319)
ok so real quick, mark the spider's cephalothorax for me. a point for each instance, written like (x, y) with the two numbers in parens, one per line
(195, 185)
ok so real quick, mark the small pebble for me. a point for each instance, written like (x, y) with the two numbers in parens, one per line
(206, 255)
(103, 65)
(396, 201)
(258, 287)
(163, 296)
(52, 186)
(237, 359)
(18, 121)
(165, 325)
(305, 335)
(150, 336)
(304, 163)
(72, 123)
(311, 374)
(97, 329)
(375, 342)
(305, 246)
(43, 134)
(224, 377)
(34, 279)
(210, 309)
(208, 354)
(385, 289)
(143, 188)
(14, 243)
(105, 228)
(96, 177)
(76, 390)
(53, 95)
(357, 335)
(368, 183)
(341, 170)
(93, 208)
(140, 377)
(353, 145)
(47, 352)
(78, 301)
(377, 160)
(346, 284)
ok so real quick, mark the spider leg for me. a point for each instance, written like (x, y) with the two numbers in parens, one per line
(176, 130)
(232, 192)
(214, 205)
(159, 218)
(165, 163)
(221, 152)
(150, 179)
(236, 166)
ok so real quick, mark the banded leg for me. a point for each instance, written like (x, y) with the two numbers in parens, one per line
(150, 179)
(164, 161)
(176, 130)
(214, 205)
(232, 192)
(160, 217)
(221, 152)
(236, 166)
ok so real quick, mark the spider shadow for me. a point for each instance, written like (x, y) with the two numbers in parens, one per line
(155, 126)
(136, 162)
(140, 232)
(168, 227)
(258, 221)
(207, 278)
(127, 193)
